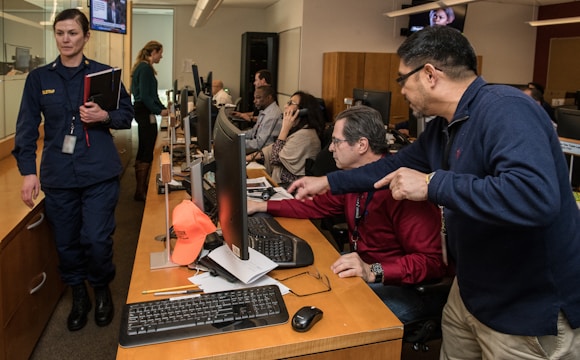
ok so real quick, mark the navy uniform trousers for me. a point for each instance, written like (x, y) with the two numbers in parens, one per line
(83, 222)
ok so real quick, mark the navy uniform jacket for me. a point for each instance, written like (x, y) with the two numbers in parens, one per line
(56, 93)
(512, 222)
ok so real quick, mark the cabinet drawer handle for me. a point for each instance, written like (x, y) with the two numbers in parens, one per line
(36, 223)
(39, 286)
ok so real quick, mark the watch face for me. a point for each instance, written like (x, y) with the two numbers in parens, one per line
(377, 270)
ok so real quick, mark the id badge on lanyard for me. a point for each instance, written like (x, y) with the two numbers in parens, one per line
(70, 140)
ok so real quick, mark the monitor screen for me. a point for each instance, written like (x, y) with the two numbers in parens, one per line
(22, 59)
(183, 102)
(109, 15)
(568, 123)
(453, 16)
(196, 180)
(175, 91)
(378, 100)
(203, 109)
(230, 183)
(207, 84)
(196, 80)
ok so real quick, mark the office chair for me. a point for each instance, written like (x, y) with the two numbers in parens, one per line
(434, 295)
(237, 104)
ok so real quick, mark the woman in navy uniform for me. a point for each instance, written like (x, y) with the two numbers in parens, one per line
(79, 169)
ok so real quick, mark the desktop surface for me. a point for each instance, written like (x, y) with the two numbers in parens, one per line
(355, 319)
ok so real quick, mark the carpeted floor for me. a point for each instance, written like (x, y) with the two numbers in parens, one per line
(93, 342)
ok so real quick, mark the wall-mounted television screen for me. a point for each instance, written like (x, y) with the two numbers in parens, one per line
(453, 16)
(109, 15)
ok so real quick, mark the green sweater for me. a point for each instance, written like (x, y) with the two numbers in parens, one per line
(144, 88)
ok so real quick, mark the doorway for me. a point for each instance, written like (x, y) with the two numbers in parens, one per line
(143, 18)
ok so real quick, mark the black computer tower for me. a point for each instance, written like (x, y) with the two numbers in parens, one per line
(259, 51)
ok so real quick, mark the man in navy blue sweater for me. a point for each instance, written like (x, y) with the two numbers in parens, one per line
(493, 163)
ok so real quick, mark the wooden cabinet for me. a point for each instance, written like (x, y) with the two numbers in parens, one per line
(30, 285)
(343, 71)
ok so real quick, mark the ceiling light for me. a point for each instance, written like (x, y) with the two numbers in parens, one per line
(204, 9)
(568, 20)
(426, 7)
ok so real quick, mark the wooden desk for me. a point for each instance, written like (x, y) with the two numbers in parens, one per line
(355, 322)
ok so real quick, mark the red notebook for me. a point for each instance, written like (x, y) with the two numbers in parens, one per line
(104, 88)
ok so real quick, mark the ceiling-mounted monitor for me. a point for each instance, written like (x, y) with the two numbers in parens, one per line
(109, 15)
(453, 16)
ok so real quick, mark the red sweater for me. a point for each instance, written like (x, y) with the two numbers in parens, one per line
(404, 236)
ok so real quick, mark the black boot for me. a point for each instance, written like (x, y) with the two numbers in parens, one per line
(77, 319)
(104, 306)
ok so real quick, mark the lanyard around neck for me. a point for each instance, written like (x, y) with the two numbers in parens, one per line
(359, 214)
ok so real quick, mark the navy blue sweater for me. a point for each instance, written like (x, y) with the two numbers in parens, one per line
(512, 221)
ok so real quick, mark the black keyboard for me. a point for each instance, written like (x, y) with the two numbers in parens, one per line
(159, 321)
(268, 237)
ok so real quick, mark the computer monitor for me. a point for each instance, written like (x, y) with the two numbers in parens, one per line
(568, 123)
(196, 80)
(230, 183)
(22, 59)
(175, 92)
(196, 180)
(378, 100)
(183, 102)
(569, 127)
(204, 122)
(206, 83)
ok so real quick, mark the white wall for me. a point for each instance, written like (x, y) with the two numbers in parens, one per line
(216, 46)
(499, 33)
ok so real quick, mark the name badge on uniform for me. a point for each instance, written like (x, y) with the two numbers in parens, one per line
(68, 145)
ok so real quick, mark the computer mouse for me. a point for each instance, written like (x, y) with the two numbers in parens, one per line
(305, 318)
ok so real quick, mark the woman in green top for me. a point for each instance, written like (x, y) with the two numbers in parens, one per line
(146, 105)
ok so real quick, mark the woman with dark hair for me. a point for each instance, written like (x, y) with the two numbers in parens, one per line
(147, 105)
(80, 166)
(299, 138)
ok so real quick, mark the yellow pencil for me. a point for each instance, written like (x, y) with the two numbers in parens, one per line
(169, 289)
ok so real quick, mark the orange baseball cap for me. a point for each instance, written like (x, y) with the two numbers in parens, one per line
(191, 225)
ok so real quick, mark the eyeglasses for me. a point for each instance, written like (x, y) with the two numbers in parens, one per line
(337, 141)
(290, 102)
(313, 274)
(401, 80)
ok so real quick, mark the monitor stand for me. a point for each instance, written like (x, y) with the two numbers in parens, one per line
(162, 260)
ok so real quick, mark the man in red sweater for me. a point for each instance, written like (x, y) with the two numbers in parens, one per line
(393, 243)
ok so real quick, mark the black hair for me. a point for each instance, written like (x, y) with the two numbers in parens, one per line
(442, 46)
(314, 118)
(535, 85)
(73, 14)
(266, 75)
(268, 91)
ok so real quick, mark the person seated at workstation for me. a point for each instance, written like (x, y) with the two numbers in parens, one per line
(299, 139)
(538, 97)
(269, 122)
(261, 78)
(220, 96)
(393, 243)
(549, 109)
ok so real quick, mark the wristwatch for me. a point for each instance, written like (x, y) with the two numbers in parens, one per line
(107, 121)
(377, 269)
(429, 177)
